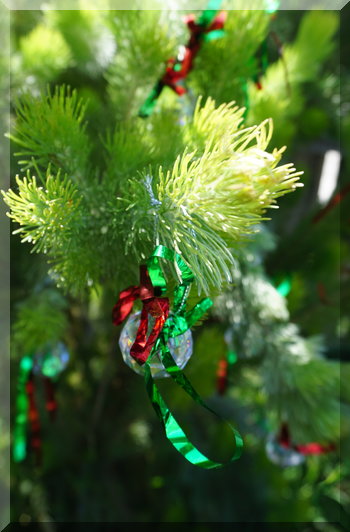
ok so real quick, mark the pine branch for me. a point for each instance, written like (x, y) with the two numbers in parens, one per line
(43, 53)
(211, 198)
(137, 144)
(50, 130)
(143, 45)
(75, 230)
(299, 386)
(46, 215)
(41, 320)
(224, 65)
(208, 198)
(87, 35)
(302, 386)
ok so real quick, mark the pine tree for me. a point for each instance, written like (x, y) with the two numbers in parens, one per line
(98, 187)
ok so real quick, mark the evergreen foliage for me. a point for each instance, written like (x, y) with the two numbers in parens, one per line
(43, 63)
(50, 131)
(282, 95)
(205, 201)
(225, 65)
(144, 45)
(299, 384)
(41, 320)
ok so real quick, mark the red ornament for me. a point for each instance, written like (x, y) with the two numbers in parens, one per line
(51, 403)
(221, 376)
(284, 440)
(33, 417)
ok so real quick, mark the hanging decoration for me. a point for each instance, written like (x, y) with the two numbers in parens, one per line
(47, 364)
(282, 451)
(162, 344)
(208, 26)
(225, 364)
(180, 347)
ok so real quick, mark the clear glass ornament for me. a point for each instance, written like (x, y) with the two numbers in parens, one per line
(52, 361)
(282, 456)
(181, 347)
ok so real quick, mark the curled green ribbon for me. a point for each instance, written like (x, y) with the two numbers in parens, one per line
(180, 321)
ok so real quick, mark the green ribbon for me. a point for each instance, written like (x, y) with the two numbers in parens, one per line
(209, 12)
(149, 104)
(213, 35)
(22, 406)
(231, 357)
(173, 430)
(179, 322)
(284, 287)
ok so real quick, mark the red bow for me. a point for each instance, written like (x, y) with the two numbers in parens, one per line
(157, 307)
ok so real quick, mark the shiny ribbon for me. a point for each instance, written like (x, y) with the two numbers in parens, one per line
(27, 412)
(284, 440)
(209, 26)
(225, 364)
(33, 417)
(154, 306)
(222, 376)
(222, 372)
(50, 403)
(284, 287)
(152, 286)
(22, 407)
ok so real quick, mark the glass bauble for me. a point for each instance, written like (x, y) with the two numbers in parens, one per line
(281, 455)
(52, 361)
(181, 347)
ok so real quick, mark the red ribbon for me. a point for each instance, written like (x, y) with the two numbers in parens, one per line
(33, 417)
(221, 376)
(123, 307)
(51, 403)
(172, 76)
(157, 307)
(307, 448)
